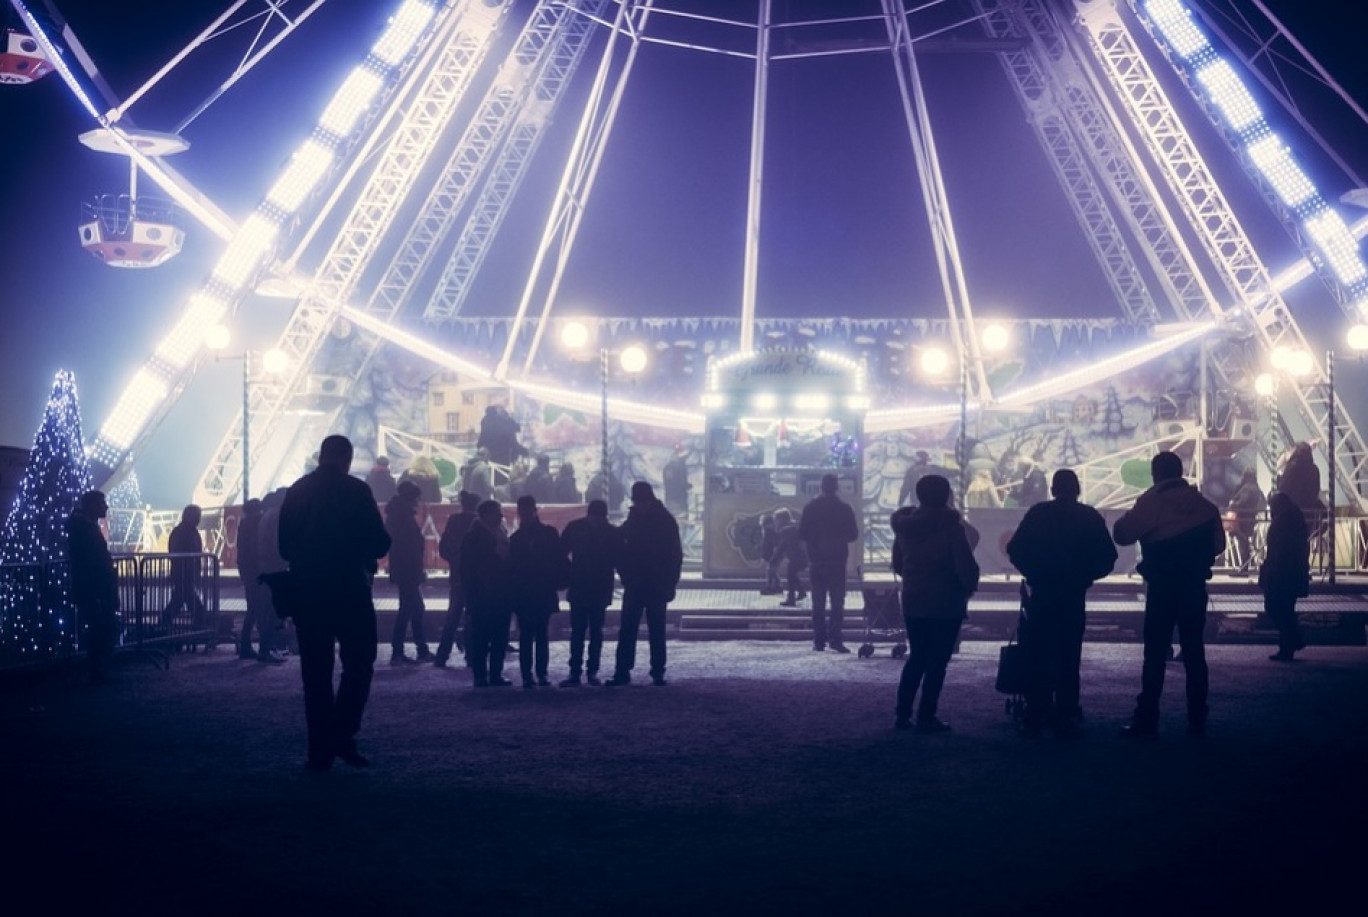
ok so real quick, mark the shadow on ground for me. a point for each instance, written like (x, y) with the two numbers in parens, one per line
(764, 779)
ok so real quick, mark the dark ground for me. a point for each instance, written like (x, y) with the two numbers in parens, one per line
(764, 779)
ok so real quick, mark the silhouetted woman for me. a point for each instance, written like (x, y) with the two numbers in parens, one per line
(1285, 574)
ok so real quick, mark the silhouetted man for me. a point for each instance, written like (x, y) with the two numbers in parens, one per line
(499, 435)
(259, 615)
(185, 540)
(1180, 536)
(537, 566)
(827, 527)
(651, 561)
(934, 555)
(380, 479)
(406, 572)
(1061, 547)
(94, 583)
(457, 525)
(592, 547)
(332, 536)
(486, 580)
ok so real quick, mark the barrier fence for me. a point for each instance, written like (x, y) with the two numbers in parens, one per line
(167, 602)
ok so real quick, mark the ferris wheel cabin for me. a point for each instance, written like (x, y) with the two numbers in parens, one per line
(21, 60)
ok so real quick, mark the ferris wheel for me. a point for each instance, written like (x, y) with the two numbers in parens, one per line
(336, 230)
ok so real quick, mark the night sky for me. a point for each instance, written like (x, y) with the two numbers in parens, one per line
(843, 230)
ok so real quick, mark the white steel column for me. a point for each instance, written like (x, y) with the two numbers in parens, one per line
(751, 275)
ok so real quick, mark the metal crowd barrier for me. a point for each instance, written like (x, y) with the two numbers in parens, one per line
(167, 603)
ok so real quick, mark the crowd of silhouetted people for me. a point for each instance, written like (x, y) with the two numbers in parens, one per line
(309, 553)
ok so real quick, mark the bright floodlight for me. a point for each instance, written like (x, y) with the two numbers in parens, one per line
(217, 337)
(1228, 91)
(574, 335)
(1276, 163)
(1357, 338)
(1172, 19)
(934, 361)
(1264, 384)
(246, 252)
(351, 101)
(996, 337)
(404, 29)
(1280, 357)
(1338, 245)
(633, 359)
(275, 361)
(190, 333)
(142, 396)
(306, 169)
(1299, 363)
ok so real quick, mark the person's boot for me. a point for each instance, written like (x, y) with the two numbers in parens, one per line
(789, 602)
(397, 658)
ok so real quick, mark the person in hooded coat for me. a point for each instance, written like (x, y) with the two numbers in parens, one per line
(1285, 574)
(1180, 536)
(934, 556)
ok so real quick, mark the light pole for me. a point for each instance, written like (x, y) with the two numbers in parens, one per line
(935, 362)
(575, 337)
(273, 361)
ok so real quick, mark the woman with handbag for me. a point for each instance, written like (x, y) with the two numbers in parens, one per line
(1285, 574)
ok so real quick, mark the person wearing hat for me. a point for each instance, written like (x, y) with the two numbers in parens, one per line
(449, 548)
(94, 583)
(406, 570)
(649, 565)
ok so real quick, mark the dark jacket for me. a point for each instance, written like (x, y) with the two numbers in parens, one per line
(331, 534)
(1248, 502)
(407, 544)
(449, 547)
(537, 566)
(185, 539)
(485, 571)
(769, 544)
(1301, 480)
(936, 562)
(652, 554)
(592, 551)
(1286, 570)
(93, 581)
(381, 482)
(791, 546)
(540, 485)
(1179, 531)
(565, 490)
(827, 527)
(248, 546)
(1062, 546)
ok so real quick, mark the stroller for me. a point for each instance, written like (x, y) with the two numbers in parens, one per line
(1011, 673)
(883, 619)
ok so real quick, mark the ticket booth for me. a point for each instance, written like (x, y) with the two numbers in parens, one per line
(777, 421)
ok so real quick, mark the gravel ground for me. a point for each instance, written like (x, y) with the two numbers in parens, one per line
(764, 779)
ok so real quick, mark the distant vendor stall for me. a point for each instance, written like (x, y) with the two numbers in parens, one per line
(777, 421)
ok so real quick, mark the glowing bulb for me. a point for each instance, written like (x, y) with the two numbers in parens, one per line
(633, 359)
(1357, 337)
(1264, 384)
(275, 361)
(574, 335)
(996, 338)
(217, 337)
(1300, 363)
(934, 361)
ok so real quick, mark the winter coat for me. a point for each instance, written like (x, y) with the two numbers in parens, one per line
(185, 539)
(536, 564)
(827, 527)
(592, 550)
(479, 479)
(449, 547)
(1301, 480)
(407, 544)
(1179, 532)
(332, 535)
(429, 488)
(540, 485)
(1286, 570)
(791, 547)
(1062, 547)
(566, 490)
(769, 544)
(1248, 502)
(381, 482)
(936, 563)
(249, 546)
(485, 571)
(652, 554)
(93, 580)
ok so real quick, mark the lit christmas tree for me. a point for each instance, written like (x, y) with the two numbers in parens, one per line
(35, 615)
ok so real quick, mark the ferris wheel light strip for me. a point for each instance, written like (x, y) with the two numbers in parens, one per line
(253, 242)
(1229, 95)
